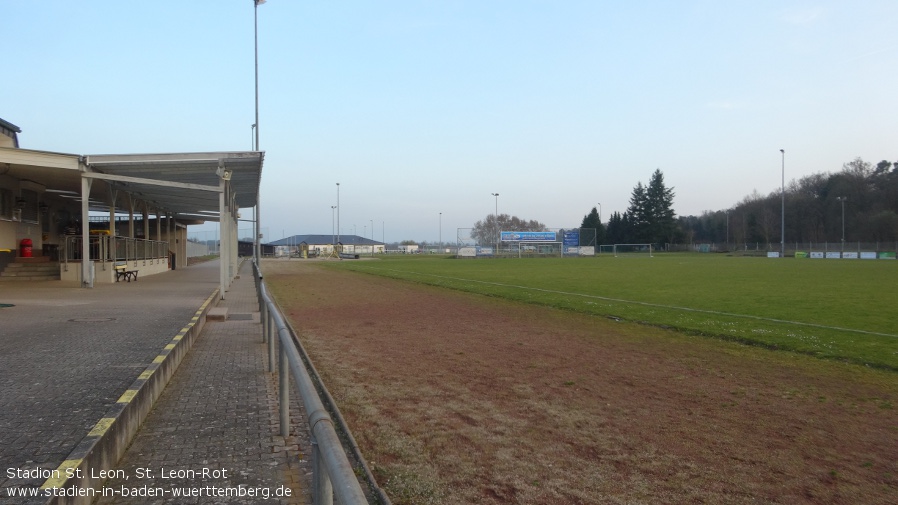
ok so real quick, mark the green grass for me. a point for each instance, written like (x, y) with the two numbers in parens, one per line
(835, 309)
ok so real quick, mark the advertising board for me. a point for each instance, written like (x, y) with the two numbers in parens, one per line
(528, 236)
(571, 242)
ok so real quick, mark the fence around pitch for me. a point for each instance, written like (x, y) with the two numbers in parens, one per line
(790, 247)
(332, 474)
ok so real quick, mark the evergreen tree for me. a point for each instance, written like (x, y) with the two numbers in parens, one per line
(591, 221)
(638, 213)
(661, 222)
(617, 231)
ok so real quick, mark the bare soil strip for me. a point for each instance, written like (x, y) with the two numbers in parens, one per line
(459, 398)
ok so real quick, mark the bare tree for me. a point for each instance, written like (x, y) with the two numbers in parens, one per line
(486, 231)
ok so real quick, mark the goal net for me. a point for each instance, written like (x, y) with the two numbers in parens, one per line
(632, 250)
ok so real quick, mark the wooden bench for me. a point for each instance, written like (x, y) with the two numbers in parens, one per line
(122, 273)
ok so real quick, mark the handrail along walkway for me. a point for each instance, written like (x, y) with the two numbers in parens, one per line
(332, 474)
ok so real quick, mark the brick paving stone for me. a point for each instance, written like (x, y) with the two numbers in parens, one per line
(67, 354)
(219, 412)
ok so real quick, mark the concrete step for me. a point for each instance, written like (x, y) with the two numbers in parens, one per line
(31, 271)
(24, 278)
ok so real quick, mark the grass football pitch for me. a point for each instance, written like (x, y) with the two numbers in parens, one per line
(833, 309)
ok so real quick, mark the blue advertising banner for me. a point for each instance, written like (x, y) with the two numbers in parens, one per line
(571, 241)
(528, 236)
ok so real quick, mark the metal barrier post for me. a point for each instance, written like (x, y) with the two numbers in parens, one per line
(322, 489)
(266, 322)
(329, 462)
(284, 391)
(271, 350)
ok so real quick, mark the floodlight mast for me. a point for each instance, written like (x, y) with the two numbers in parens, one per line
(497, 221)
(338, 216)
(842, 199)
(783, 211)
(258, 241)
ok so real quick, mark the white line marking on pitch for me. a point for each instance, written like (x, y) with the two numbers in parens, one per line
(648, 304)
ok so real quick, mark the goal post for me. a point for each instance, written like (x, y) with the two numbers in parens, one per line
(632, 250)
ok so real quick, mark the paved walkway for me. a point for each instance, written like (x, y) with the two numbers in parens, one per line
(215, 429)
(67, 354)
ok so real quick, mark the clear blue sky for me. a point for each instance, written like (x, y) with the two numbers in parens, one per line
(422, 107)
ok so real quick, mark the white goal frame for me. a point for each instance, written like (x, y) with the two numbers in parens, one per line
(632, 245)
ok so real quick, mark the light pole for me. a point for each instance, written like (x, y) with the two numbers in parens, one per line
(497, 221)
(728, 228)
(333, 230)
(842, 199)
(600, 212)
(256, 124)
(783, 211)
(252, 137)
(441, 232)
(338, 216)
(372, 237)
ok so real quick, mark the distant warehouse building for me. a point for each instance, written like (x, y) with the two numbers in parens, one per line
(319, 245)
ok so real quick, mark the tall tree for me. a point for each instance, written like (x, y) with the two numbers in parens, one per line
(638, 214)
(661, 223)
(486, 231)
(591, 221)
(618, 229)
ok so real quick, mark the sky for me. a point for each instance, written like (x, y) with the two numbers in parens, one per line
(421, 110)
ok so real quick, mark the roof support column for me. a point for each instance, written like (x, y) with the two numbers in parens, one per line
(223, 225)
(146, 229)
(158, 224)
(169, 236)
(155, 250)
(130, 215)
(113, 194)
(235, 232)
(145, 214)
(87, 280)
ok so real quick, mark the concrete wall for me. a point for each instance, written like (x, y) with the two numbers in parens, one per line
(104, 273)
(195, 249)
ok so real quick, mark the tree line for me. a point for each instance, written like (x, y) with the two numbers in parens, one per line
(865, 194)
(649, 218)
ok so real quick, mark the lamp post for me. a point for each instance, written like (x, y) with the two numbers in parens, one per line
(372, 237)
(728, 228)
(256, 124)
(783, 211)
(252, 136)
(600, 212)
(842, 199)
(338, 216)
(497, 221)
(441, 232)
(333, 230)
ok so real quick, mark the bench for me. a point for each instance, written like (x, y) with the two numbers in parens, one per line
(122, 273)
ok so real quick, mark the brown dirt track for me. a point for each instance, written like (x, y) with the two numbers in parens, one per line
(459, 398)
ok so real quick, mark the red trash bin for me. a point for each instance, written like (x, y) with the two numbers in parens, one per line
(25, 248)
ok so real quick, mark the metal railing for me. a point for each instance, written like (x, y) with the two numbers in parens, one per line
(332, 474)
(790, 247)
(105, 248)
